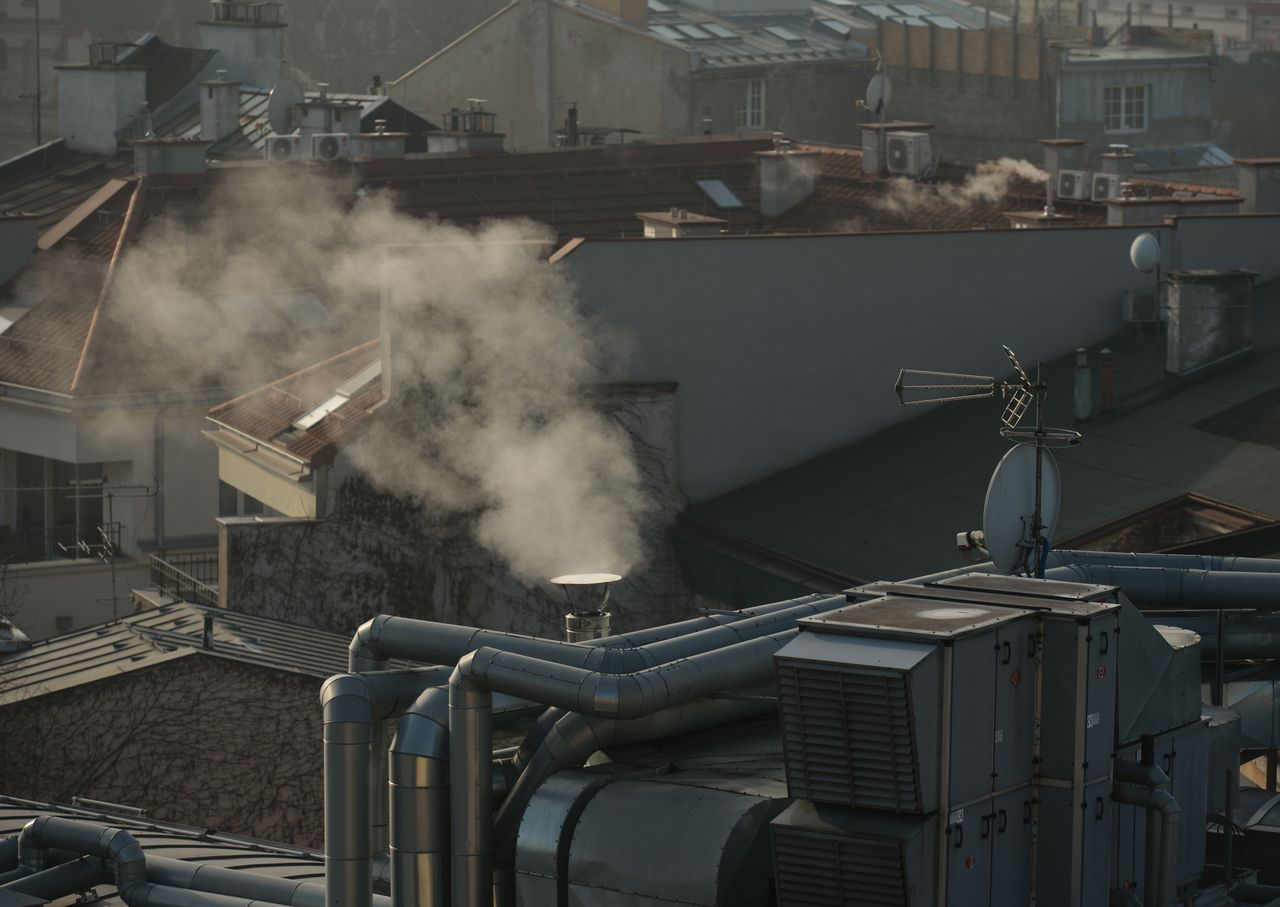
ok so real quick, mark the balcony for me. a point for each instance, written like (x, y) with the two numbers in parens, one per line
(190, 577)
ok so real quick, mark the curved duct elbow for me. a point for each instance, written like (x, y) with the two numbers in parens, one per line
(361, 653)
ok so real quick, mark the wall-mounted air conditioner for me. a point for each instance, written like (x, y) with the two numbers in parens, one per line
(1105, 185)
(330, 146)
(1074, 184)
(280, 148)
(908, 153)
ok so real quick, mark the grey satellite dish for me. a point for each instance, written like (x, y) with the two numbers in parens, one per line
(282, 106)
(1008, 512)
(879, 92)
(1145, 253)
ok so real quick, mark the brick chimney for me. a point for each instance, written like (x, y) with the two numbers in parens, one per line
(787, 178)
(250, 36)
(1258, 180)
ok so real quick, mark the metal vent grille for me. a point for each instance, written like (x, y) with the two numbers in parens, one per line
(816, 870)
(848, 737)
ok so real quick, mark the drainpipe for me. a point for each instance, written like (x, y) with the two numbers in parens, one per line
(8, 853)
(118, 849)
(617, 696)
(1144, 785)
(1168, 587)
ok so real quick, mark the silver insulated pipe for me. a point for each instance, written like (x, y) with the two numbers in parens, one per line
(1179, 587)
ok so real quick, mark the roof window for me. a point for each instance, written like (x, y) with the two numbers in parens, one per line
(719, 194)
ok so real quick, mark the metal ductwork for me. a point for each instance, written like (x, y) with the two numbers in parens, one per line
(1219, 563)
(1146, 786)
(59, 881)
(1175, 587)
(615, 696)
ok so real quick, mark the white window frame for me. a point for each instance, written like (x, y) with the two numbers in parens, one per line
(751, 112)
(1126, 109)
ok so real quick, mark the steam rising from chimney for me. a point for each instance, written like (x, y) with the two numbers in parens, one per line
(492, 419)
(989, 183)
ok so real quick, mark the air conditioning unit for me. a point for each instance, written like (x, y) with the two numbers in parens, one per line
(1073, 184)
(1140, 307)
(909, 153)
(1105, 185)
(279, 148)
(330, 146)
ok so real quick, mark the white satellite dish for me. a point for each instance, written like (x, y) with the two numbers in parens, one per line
(1145, 253)
(282, 106)
(1008, 514)
(879, 93)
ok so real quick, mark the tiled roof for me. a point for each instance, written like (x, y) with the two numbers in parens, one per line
(51, 181)
(171, 631)
(170, 69)
(268, 413)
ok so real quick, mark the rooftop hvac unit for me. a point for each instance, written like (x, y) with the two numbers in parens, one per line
(1105, 185)
(1140, 307)
(330, 146)
(280, 148)
(1073, 184)
(869, 695)
(908, 153)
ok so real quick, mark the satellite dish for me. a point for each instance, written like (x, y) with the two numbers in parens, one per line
(1009, 510)
(879, 91)
(1145, 253)
(282, 106)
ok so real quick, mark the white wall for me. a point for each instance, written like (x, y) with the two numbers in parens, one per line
(787, 347)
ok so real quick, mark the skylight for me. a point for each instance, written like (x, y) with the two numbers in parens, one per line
(720, 31)
(834, 25)
(344, 392)
(666, 31)
(784, 34)
(693, 31)
(911, 9)
(721, 195)
(657, 6)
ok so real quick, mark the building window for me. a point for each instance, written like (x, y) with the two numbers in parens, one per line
(51, 509)
(1188, 11)
(1232, 13)
(751, 113)
(1124, 108)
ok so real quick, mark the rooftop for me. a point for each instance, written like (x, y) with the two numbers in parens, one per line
(156, 636)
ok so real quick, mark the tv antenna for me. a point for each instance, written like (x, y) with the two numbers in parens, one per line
(1024, 496)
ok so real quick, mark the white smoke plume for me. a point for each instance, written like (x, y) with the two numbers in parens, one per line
(988, 184)
(491, 354)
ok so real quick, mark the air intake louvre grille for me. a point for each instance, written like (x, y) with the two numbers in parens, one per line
(848, 737)
(816, 870)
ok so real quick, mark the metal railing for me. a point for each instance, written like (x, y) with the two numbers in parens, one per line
(187, 577)
(49, 543)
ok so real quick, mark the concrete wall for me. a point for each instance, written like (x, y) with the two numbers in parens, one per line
(37, 594)
(788, 347)
(201, 740)
(252, 54)
(534, 56)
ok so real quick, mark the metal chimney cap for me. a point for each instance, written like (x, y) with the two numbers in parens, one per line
(585, 579)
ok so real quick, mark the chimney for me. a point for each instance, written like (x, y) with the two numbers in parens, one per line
(170, 157)
(787, 177)
(678, 223)
(219, 107)
(470, 131)
(251, 37)
(1210, 319)
(1119, 160)
(1258, 180)
(206, 638)
(99, 100)
(379, 145)
(587, 595)
(632, 12)
(19, 234)
(1062, 154)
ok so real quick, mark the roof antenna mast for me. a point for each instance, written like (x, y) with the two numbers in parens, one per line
(1018, 516)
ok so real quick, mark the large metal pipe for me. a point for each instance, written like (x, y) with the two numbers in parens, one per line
(1067, 557)
(1144, 785)
(8, 853)
(421, 750)
(1169, 587)
(122, 853)
(575, 737)
(1253, 636)
(59, 881)
(240, 883)
(593, 693)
